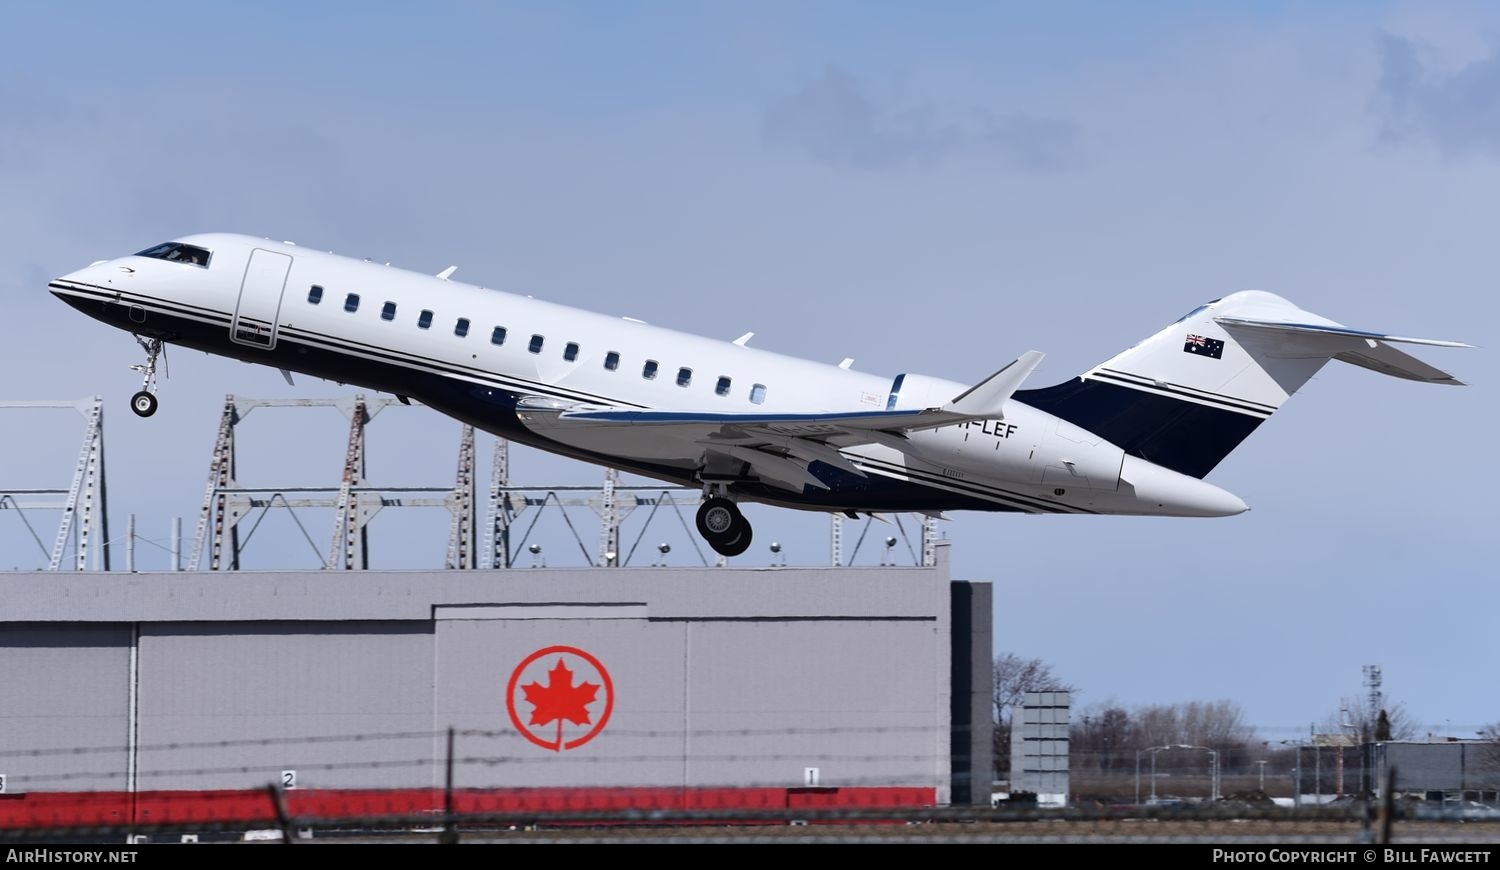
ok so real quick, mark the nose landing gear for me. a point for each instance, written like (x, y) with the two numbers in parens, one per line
(723, 526)
(144, 403)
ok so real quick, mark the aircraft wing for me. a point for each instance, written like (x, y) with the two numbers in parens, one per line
(776, 447)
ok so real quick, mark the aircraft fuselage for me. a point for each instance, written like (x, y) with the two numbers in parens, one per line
(474, 353)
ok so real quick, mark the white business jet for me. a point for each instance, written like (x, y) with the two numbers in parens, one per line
(1134, 435)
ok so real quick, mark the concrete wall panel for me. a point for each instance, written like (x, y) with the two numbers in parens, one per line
(64, 687)
(231, 705)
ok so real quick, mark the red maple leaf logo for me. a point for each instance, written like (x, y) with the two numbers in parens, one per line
(560, 699)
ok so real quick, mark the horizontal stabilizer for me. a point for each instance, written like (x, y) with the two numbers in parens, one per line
(1317, 329)
(1369, 350)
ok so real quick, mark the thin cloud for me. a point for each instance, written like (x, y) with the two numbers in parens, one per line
(838, 118)
(1460, 112)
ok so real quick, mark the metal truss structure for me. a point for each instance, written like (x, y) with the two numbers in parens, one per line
(511, 516)
(613, 502)
(355, 502)
(82, 540)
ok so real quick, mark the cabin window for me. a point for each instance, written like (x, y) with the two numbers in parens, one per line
(351, 302)
(497, 335)
(648, 371)
(758, 393)
(461, 328)
(612, 360)
(314, 294)
(570, 351)
(177, 252)
(536, 344)
(388, 311)
(722, 387)
(684, 376)
(424, 319)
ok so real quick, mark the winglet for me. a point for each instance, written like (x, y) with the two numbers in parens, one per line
(447, 273)
(744, 338)
(986, 399)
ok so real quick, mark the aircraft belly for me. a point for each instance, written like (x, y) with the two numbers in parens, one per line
(635, 442)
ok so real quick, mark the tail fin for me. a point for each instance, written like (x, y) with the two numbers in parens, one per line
(1188, 395)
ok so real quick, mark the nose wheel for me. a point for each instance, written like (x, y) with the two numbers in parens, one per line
(723, 526)
(144, 403)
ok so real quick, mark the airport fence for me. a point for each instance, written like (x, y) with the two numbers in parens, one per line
(58, 799)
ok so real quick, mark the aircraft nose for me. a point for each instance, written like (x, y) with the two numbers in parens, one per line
(88, 288)
(1163, 491)
(96, 273)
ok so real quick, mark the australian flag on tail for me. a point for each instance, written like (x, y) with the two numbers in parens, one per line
(1210, 347)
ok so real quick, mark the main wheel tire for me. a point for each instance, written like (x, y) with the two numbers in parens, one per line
(718, 519)
(737, 544)
(143, 404)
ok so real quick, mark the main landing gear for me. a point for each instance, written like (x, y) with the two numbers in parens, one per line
(144, 402)
(723, 526)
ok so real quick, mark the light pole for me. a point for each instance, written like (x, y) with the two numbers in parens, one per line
(1352, 739)
(1262, 764)
(1296, 771)
(1317, 774)
(1213, 770)
(1213, 755)
(1153, 772)
(1152, 750)
(1138, 777)
(1213, 766)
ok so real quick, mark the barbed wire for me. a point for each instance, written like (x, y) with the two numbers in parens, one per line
(272, 771)
(370, 737)
(850, 824)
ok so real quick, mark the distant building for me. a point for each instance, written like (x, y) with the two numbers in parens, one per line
(1039, 747)
(1454, 770)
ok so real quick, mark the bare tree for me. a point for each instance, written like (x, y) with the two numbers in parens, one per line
(1356, 720)
(1156, 725)
(1100, 737)
(1014, 677)
(1215, 724)
(1489, 758)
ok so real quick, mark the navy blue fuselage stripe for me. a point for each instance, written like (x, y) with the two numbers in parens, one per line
(984, 490)
(1184, 436)
(649, 417)
(505, 381)
(1228, 405)
(1194, 392)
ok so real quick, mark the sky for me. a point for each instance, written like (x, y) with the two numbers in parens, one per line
(930, 189)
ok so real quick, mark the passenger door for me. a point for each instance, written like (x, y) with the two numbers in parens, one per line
(259, 306)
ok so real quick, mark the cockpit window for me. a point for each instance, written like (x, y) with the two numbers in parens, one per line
(177, 252)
